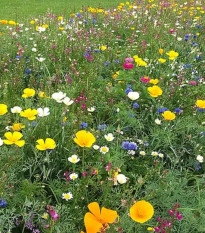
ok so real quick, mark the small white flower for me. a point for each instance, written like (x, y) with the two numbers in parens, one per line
(34, 50)
(40, 59)
(131, 152)
(161, 155)
(200, 158)
(154, 153)
(158, 122)
(117, 110)
(133, 95)
(179, 38)
(73, 176)
(73, 159)
(41, 29)
(42, 112)
(142, 153)
(96, 147)
(67, 196)
(8, 128)
(122, 179)
(16, 109)
(104, 149)
(109, 137)
(92, 109)
(58, 96)
(1, 142)
(67, 101)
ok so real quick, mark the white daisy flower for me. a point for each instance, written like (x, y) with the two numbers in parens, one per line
(133, 95)
(73, 176)
(104, 149)
(67, 101)
(67, 196)
(154, 153)
(92, 109)
(158, 122)
(142, 153)
(96, 147)
(58, 96)
(122, 179)
(200, 158)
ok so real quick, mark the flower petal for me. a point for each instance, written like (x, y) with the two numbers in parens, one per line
(20, 143)
(92, 225)
(94, 209)
(108, 216)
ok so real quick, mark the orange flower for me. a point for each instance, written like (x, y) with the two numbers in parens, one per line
(98, 220)
(141, 211)
(84, 139)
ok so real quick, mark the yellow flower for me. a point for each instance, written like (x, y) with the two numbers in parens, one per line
(154, 81)
(155, 91)
(30, 114)
(172, 54)
(61, 28)
(84, 139)
(17, 126)
(45, 26)
(32, 21)
(161, 60)
(200, 103)
(150, 229)
(28, 92)
(103, 47)
(14, 139)
(49, 144)
(11, 22)
(161, 51)
(98, 219)
(60, 18)
(141, 211)
(3, 109)
(168, 115)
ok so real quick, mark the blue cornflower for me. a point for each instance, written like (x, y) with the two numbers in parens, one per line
(198, 57)
(128, 90)
(131, 115)
(117, 61)
(83, 125)
(102, 127)
(107, 63)
(136, 105)
(96, 51)
(197, 165)
(194, 36)
(198, 26)
(94, 20)
(132, 146)
(71, 20)
(125, 145)
(27, 71)
(85, 21)
(18, 57)
(3, 203)
(162, 110)
(78, 15)
(202, 133)
(146, 144)
(177, 110)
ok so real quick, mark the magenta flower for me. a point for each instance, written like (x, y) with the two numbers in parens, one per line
(179, 216)
(145, 79)
(128, 66)
(54, 214)
(193, 83)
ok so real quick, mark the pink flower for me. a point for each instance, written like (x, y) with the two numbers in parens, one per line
(128, 66)
(54, 215)
(129, 59)
(145, 79)
(172, 31)
(179, 216)
(171, 212)
(193, 83)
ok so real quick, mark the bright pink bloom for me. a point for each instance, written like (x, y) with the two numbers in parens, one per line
(145, 79)
(179, 216)
(193, 83)
(172, 31)
(54, 215)
(128, 66)
(129, 59)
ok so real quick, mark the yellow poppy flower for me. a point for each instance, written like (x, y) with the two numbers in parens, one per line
(200, 103)
(154, 81)
(17, 126)
(172, 55)
(168, 115)
(49, 144)
(141, 211)
(3, 109)
(161, 60)
(30, 114)
(28, 92)
(84, 139)
(97, 220)
(155, 91)
(13, 138)
(161, 51)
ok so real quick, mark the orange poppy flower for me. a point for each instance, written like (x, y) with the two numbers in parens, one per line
(84, 139)
(141, 211)
(97, 220)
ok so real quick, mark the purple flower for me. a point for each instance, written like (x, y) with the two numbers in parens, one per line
(136, 105)
(3, 203)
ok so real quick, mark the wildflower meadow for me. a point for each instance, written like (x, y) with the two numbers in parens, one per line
(102, 119)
